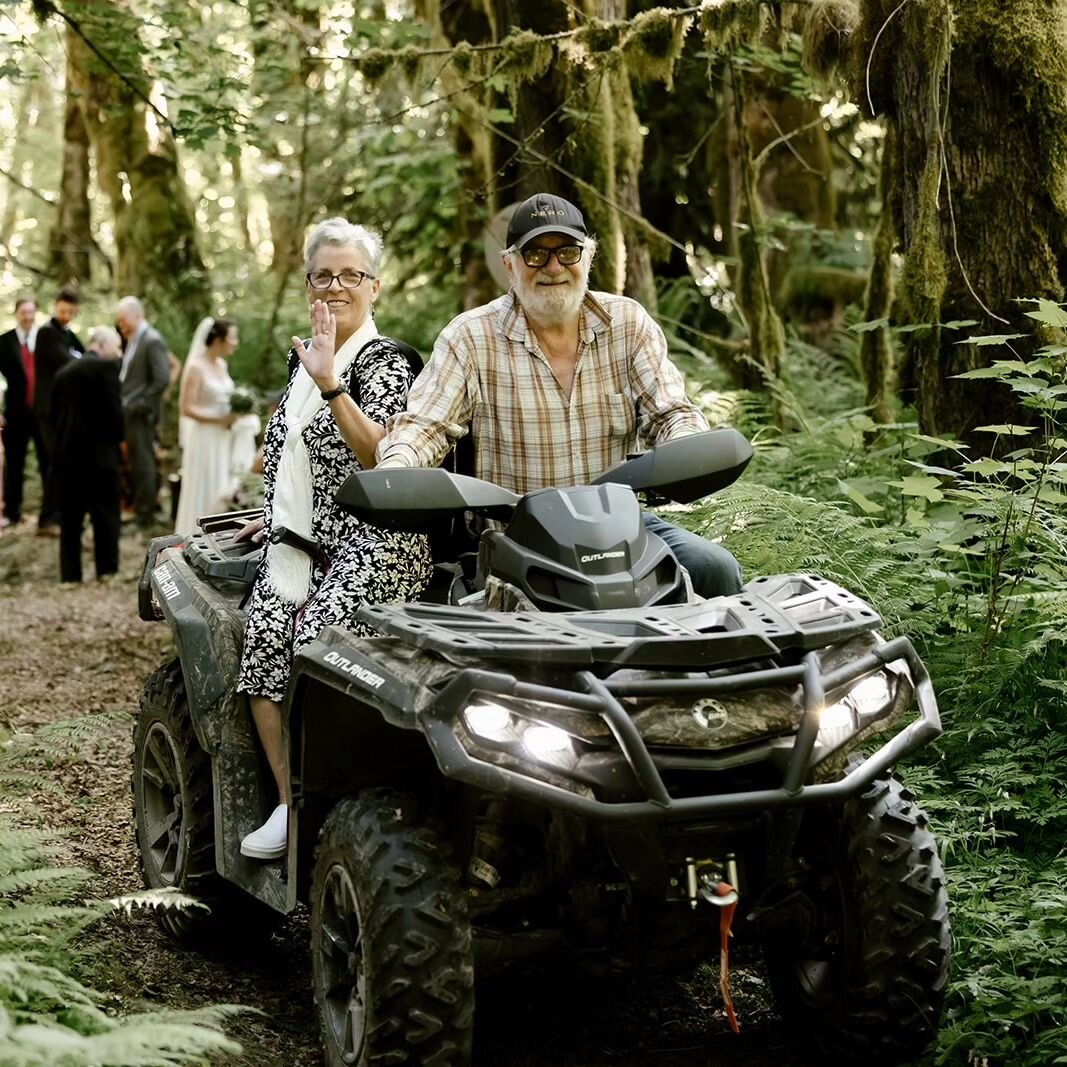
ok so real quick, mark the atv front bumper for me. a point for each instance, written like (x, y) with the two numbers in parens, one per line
(601, 699)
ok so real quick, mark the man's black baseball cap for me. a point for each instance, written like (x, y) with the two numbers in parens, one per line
(544, 213)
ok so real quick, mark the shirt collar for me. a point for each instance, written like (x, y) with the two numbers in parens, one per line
(513, 324)
(29, 338)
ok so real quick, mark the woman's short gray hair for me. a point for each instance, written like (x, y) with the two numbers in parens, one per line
(105, 336)
(341, 232)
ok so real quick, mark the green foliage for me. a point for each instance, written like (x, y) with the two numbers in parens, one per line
(970, 561)
(49, 1017)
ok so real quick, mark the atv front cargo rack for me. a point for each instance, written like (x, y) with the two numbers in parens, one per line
(772, 615)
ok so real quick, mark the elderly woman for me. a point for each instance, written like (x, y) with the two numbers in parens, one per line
(331, 417)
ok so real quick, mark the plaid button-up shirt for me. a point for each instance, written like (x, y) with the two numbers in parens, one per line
(489, 375)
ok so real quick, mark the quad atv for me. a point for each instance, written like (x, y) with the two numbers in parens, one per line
(566, 752)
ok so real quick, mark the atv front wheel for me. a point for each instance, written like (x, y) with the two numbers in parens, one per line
(390, 938)
(865, 981)
(173, 811)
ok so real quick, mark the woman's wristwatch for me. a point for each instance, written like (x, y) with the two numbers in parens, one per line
(332, 394)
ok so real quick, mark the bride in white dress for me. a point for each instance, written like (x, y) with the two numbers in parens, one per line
(204, 427)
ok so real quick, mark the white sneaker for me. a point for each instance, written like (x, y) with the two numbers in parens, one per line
(271, 839)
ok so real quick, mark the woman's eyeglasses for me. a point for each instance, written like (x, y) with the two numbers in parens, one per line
(566, 255)
(347, 279)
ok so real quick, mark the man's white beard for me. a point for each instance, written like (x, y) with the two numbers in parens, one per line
(551, 305)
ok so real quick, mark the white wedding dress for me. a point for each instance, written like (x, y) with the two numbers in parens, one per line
(206, 455)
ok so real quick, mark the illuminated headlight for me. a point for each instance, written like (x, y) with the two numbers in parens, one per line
(492, 722)
(518, 727)
(866, 700)
(546, 742)
(870, 695)
(837, 724)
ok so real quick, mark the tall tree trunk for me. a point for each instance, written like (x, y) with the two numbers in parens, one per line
(155, 227)
(280, 73)
(71, 240)
(983, 182)
(876, 350)
(473, 143)
(766, 336)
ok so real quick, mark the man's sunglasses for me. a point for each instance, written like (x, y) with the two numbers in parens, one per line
(566, 255)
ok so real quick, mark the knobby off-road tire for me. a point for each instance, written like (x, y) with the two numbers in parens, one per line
(868, 984)
(391, 955)
(173, 811)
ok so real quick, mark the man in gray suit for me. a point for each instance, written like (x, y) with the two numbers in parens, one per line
(145, 374)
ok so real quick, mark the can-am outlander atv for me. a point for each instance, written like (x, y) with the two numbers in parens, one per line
(568, 752)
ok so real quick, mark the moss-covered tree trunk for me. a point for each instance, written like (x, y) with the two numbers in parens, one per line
(766, 336)
(876, 349)
(978, 94)
(473, 143)
(71, 240)
(279, 80)
(137, 167)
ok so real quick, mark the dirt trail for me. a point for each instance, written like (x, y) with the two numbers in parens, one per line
(71, 651)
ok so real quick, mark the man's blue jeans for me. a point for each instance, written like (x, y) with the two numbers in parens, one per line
(713, 570)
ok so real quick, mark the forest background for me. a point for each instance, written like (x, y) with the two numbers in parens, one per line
(847, 215)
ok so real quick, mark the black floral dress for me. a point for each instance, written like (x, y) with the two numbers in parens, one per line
(365, 563)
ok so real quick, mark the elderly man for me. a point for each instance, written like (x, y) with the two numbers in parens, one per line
(145, 374)
(87, 414)
(555, 382)
(17, 365)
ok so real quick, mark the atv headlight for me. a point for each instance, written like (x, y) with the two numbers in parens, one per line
(546, 742)
(519, 727)
(491, 722)
(871, 695)
(867, 700)
(837, 724)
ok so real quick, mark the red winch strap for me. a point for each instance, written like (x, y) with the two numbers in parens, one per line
(726, 918)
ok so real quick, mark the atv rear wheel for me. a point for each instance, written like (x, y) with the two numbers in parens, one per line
(173, 811)
(866, 984)
(391, 955)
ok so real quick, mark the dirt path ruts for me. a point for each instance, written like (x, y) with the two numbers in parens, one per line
(70, 651)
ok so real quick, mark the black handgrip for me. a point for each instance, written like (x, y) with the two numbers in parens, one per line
(284, 536)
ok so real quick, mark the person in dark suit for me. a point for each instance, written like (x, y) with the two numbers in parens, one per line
(57, 345)
(145, 374)
(20, 424)
(87, 416)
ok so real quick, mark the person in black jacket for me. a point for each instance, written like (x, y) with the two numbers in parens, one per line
(20, 424)
(87, 417)
(57, 345)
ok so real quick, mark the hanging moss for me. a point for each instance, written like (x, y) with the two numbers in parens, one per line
(729, 24)
(463, 58)
(374, 64)
(827, 39)
(524, 56)
(411, 59)
(653, 43)
(598, 36)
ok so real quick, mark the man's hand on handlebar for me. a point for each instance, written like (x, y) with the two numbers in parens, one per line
(252, 531)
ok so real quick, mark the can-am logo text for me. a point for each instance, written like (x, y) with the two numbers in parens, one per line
(167, 585)
(601, 555)
(361, 674)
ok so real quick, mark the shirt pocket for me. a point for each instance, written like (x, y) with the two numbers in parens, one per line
(616, 415)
